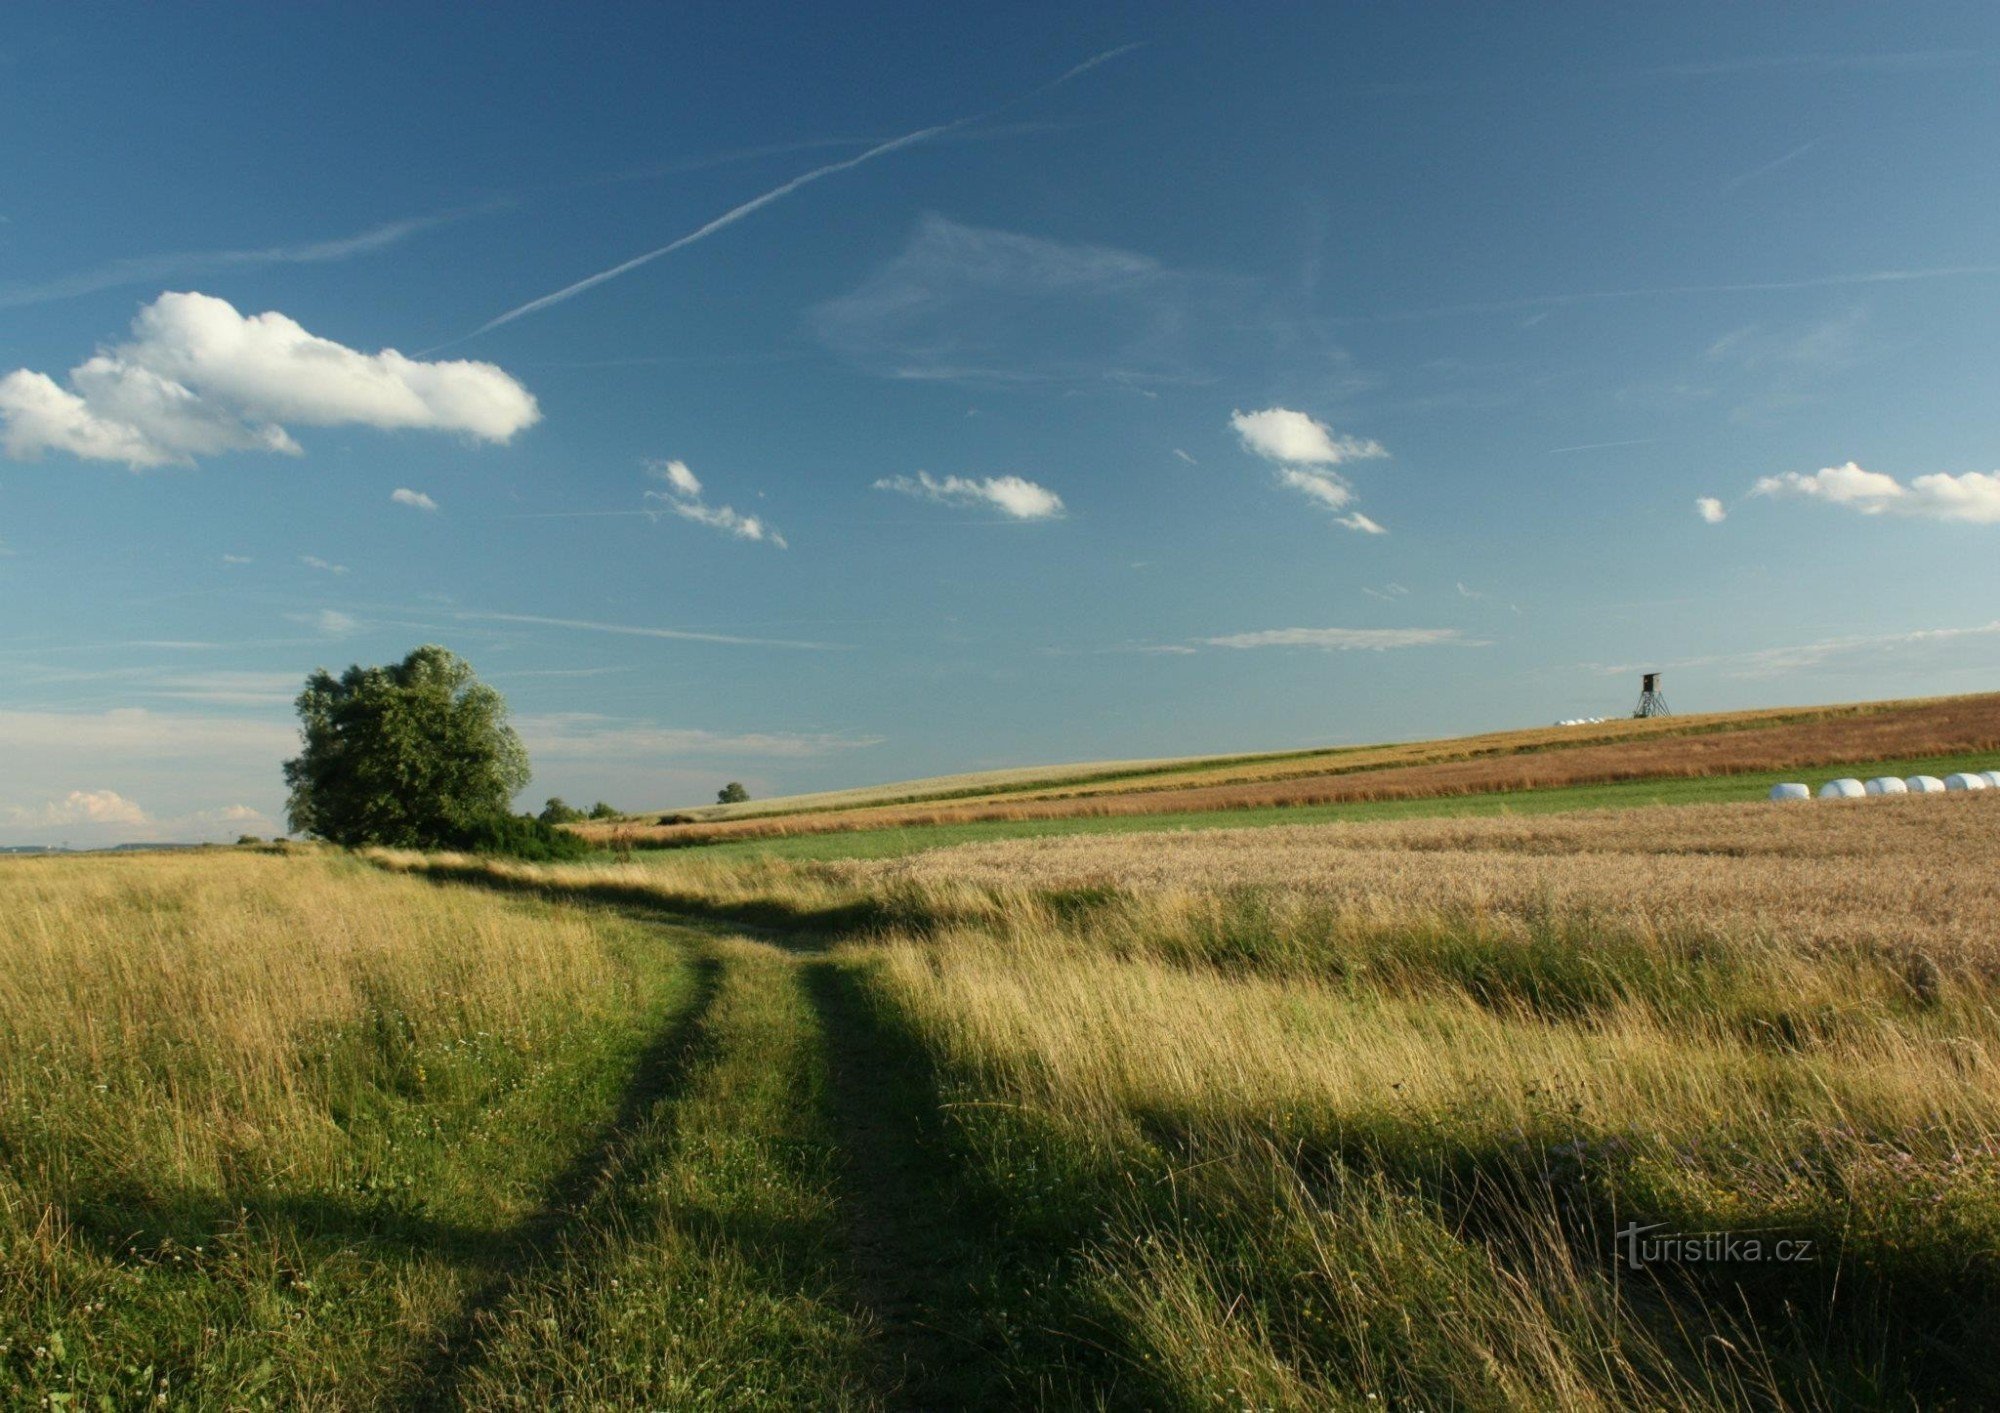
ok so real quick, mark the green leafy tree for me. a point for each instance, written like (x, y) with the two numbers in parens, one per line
(417, 754)
(601, 810)
(557, 811)
(732, 794)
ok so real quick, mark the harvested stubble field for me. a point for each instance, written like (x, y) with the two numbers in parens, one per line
(1660, 749)
(1299, 1118)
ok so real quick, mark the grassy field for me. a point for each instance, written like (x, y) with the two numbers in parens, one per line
(1697, 751)
(1313, 1117)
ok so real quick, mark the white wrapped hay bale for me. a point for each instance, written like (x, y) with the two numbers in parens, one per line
(1791, 792)
(1992, 778)
(1965, 780)
(1846, 788)
(1887, 785)
(1925, 785)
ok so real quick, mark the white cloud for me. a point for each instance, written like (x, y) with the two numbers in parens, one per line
(683, 498)
(1295, 439)
(1326, 487)
(1972, 498)
(198, 378)
(236, 559)
(416, 500)
(1185, 457)
(1387, 592)
(1347, 639)
(175, 761)
(82, 807)
(1300, 444)
(1710, 509)
(1012, 496)
(313, 561)
(677, 475)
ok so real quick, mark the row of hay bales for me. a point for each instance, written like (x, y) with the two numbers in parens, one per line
(1850, 789)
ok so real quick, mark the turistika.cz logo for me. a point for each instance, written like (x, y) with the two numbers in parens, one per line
(1650, 1245)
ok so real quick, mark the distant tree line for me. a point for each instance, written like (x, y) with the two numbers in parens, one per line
(558, 811)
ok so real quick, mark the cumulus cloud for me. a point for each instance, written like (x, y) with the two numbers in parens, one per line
(83, 807)
(683, 497)
(1971, 498)
(416, 500)
(197, 378)
(1282, 435)
(676, 474)
(1302, 446)
(1710, 509)
(1347, 639)
(1012, 496)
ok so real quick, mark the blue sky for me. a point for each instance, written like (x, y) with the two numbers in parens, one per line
(1040, 383)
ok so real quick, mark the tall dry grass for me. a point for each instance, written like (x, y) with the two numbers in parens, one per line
(181, 1019)
(1377, 1143)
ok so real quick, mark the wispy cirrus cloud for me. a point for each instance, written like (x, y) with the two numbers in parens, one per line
(1893, 61)
(179, 265)
(679, 635)
(1743, 179)
(1347, 639)
(1013, 496)
(993, 308)
(1859, 648)
(783, 190)
(586, 736)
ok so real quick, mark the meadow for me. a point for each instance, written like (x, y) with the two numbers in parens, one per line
(1345, 1115)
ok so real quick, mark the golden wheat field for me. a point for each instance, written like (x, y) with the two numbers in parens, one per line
(1901, 872)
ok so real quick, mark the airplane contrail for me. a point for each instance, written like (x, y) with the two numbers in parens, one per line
(778, 193)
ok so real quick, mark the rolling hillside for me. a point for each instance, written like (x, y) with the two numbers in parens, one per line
(1671, 748)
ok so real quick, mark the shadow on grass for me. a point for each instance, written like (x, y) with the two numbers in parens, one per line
(977, 1312)
(803, 928)
(202, 1232)
(612, 1161)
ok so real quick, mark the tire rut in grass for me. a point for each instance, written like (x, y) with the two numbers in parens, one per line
(615, 1158)
(939, 1280)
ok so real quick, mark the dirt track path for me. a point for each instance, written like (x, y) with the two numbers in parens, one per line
(773, 1219)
